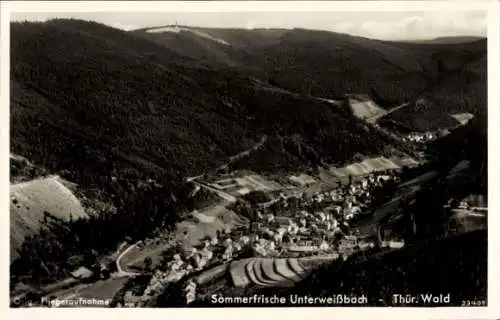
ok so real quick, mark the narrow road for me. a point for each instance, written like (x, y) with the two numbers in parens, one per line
(233, 158)
(374, 119)
(121, 272)
(334, 102)
(244, 153)
(190, 179)
(220, 193)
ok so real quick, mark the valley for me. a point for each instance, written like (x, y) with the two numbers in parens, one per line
(176, 162)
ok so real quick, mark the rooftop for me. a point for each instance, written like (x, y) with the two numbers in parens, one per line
(82, 272)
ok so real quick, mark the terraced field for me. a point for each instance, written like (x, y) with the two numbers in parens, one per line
(282, 272)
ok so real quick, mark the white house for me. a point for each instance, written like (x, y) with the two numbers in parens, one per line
(322, 216)
(228, 253)
(324, 245)
(278, 238)
(206, 253)
(244, 240)
(236, 246)
(214, 241)
(364, 183)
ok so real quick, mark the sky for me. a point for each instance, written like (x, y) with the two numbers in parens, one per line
(388, 25)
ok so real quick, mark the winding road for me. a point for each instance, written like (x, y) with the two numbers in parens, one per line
(121, 272)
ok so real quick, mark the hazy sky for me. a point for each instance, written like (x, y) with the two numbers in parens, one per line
(381, 25)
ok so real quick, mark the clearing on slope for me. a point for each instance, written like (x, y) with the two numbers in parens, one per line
(365, 108)
(463, 118)
(31, 201)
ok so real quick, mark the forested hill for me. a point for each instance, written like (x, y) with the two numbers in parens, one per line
(321, 63)
(92, 100)
(448, 72)
(467, 143)
(325, 63)
(459, 85)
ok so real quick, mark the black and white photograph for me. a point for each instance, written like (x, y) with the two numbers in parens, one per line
(248, 158)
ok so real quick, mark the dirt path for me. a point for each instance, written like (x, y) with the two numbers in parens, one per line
(244, 153)
(233, 158)
(374, 119)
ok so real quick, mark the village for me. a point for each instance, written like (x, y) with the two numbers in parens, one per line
(306, 221)
(295, 225)
(283, 224)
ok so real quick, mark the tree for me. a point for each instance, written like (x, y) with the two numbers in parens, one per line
(148, 262)
(90, 257)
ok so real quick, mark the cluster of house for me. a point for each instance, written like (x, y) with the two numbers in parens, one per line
(214, 250)
(468, 214)
(302, 180)
(319, 223)
(472, 203)
(423, 137)
(420, 137)
(475, 206)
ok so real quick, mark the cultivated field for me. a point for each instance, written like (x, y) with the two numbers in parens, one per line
(365, 167)
(245, 184)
